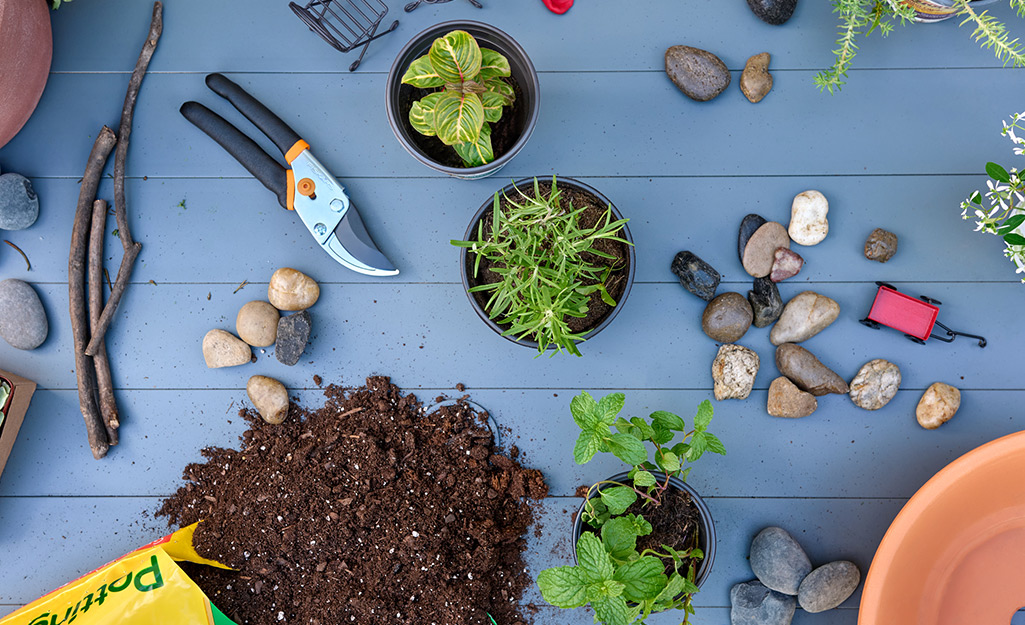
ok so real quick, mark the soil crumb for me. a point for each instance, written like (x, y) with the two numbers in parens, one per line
(364, 511)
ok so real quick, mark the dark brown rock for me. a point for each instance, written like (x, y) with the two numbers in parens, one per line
(756, 81)
(805, 370)
(765, 302)
(698, 73)
(727, 318)
(881, 245)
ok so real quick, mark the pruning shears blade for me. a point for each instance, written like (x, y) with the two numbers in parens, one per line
(351, 245)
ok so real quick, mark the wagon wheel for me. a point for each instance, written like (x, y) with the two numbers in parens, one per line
(927, 299)
(868, 323)
(886, 284)
(914, 339)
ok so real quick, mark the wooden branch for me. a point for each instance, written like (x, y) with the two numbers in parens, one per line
(76, 291)
(105, 382)
(132, 248)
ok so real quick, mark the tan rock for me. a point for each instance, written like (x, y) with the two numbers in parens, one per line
(224, 349)
(292, 290)
(269, 397)
(788, 401)
(257, 323)
(938, 405)
(808, 372)
(733, 372)
(760, 251)
(804, 316)
(756, 81)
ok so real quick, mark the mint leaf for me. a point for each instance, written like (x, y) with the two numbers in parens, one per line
(704, 416)
(644, 431)
(662, 434)
(698, 445)
(642, 579)
(624, 426)
(564, 586)
(673, 589)
(588, 443)
(680, 449)
(584, 409)
(610, 406)
(714, 444)
(668, 420)
(611, 611)
(620, 538)
(618, 499)
(640, 524)
(627, 448)
(593, 559)
(668, 461)
(644, 479)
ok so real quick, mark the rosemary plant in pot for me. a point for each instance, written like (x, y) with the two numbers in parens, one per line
(645, 541)
(547, 264)
(463, 98)
(862, 17)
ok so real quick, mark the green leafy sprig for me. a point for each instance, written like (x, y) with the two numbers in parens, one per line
(472, 94)
(538, 248)
(1001, 211)
(623, 585)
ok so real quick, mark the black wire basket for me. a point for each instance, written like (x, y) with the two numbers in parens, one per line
(415, 3)
(345, 24)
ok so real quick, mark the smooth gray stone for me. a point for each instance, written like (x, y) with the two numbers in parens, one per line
(751, 603)
(828, 586)
(773, 12)
(19, 204)
(778, 561)
(696, 275)
(765, 302)
(698, 73)
(293, 334)
(748, 226)
(22, 317)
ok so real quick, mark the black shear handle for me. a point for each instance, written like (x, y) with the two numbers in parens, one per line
(278, 131)
(251, 156)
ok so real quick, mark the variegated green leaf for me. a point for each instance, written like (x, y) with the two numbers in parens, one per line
(493, 64)
(421, 74)
(479, 152)
(421, 115)
(504, 89)
(458, 117)
(456, 57)
(493, 104)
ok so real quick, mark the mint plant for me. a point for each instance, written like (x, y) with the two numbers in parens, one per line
(624, 585)
(472, 94)
(539, 248)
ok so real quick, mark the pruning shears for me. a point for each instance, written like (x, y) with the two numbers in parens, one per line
(305, 186)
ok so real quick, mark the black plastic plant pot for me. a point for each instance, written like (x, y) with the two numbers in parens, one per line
(522, 116)
(466, 260)
(706, 533)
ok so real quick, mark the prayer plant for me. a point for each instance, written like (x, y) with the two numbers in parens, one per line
(624, 585)
(541, 252)
(862, 17)
(471, 94)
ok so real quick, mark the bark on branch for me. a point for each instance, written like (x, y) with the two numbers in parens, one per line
(104, 381)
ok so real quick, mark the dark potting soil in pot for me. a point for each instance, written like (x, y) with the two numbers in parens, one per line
(365, 511)
(675, 523)
(504, 133)
(597, 309)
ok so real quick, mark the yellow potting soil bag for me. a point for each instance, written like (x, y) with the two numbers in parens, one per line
(145, 587)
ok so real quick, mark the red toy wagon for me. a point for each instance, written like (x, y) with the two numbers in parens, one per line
(915, 317)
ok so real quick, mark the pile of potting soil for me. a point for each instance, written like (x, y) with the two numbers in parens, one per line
(366, 511)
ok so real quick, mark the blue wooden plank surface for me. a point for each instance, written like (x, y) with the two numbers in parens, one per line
(899, 148)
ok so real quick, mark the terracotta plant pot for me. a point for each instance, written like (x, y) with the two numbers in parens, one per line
(522, 117)
(706, 535)
(466, 261)
(26, 47)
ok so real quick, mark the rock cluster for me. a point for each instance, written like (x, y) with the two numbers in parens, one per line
(786, 579)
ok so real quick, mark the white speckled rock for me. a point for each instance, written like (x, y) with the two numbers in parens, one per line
(778, 561)
(22, 317)
(938, 405)
(808, 223)
(733, 372)
(828, 586)
(804, 316)
(224, 349)
(269, 397)
(875, 385)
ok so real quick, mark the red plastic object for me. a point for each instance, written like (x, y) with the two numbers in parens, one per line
(907, 314)
(558, 6)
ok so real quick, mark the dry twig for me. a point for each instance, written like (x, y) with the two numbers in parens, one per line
(84, 368)
(28, 265)
(104, 381)
(132, 247)
(240, 287)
